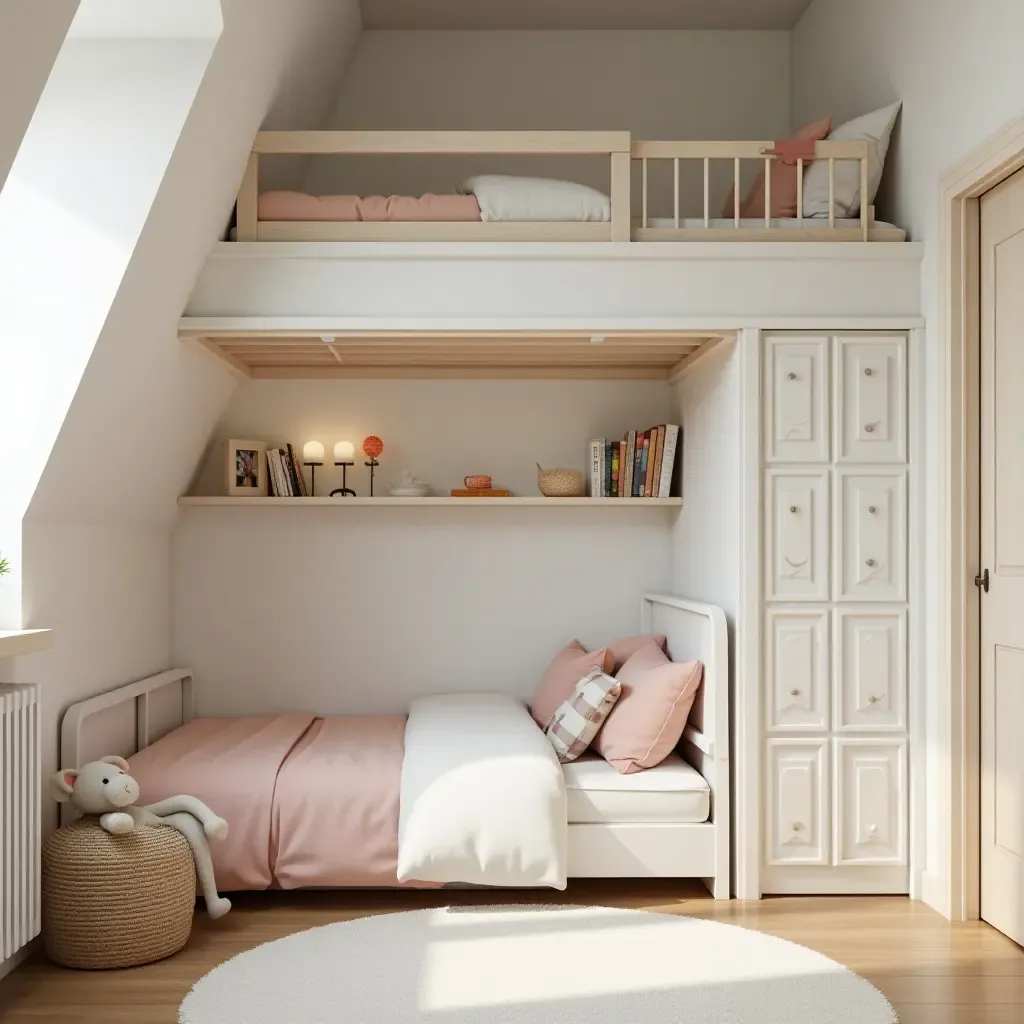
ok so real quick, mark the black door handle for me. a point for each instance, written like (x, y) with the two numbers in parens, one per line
(982, 581)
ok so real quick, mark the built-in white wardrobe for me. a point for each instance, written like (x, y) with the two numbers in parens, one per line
(837, 480)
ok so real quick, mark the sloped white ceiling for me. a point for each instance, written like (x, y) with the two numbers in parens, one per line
(147, 19)
(30, 39)
(580, 14)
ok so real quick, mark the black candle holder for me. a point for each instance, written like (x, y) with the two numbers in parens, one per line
(372, 464)
(344, 490)
(312, 477)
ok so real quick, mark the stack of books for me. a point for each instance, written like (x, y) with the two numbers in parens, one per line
(641, 465)
(284, 475)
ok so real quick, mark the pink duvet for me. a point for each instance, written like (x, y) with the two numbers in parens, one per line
(335, 820)
(232, 765)
(308, 801)
(292, 206)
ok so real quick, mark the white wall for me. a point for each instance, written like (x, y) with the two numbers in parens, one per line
(705, 541)
(659, 85)
(358, 610)
(440, 430)
(97, 532)
(956, 64)
(71, 214)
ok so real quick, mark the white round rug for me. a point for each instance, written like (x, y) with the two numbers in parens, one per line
(532, 965)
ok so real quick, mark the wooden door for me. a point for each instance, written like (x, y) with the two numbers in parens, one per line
(1002, 543)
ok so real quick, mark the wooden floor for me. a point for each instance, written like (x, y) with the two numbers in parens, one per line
(930, 970)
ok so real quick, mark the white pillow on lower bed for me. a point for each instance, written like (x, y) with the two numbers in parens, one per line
(876, 128)
(509, 197)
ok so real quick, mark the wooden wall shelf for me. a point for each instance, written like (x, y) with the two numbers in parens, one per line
(615, 355)
(439, 502)
(15, 642)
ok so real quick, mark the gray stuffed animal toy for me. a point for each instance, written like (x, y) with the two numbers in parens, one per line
(105, 788)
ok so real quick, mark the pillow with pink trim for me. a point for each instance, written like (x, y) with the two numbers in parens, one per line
(645, 725)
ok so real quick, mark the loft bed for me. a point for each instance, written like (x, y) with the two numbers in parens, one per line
(623, 215)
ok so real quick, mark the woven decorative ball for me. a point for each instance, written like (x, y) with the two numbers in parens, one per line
(372, 446)
(116, 901)
(560, 483)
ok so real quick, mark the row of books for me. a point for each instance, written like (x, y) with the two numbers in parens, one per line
(639, 466)
(284, 475)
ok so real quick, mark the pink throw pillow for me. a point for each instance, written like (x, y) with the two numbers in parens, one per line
(784, 180)
(565, 671)
(624, 649)
(648, 720)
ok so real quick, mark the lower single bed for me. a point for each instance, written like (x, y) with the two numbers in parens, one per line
(366, 800)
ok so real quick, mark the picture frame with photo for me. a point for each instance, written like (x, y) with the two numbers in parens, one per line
(246, 469)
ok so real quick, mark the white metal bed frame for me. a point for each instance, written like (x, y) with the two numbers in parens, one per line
(622, 153)
(129, 718)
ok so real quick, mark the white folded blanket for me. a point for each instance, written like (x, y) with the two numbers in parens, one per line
(483, 796)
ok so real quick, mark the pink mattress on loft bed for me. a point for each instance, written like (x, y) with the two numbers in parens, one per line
(310, 801)
(300, 206)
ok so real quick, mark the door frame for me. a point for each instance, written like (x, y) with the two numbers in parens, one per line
(952, 884)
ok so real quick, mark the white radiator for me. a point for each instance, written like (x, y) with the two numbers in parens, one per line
(20, 826)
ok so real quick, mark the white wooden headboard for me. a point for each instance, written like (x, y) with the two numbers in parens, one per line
(698, 632)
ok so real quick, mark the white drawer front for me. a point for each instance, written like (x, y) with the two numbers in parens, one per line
(797, 536)
(871, 399)
(871, 802)
(871, 670)
(796, 400)
(872, 536)
(797, 669)
(798, 825)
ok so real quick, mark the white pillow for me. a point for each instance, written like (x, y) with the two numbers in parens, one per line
(508, 197)
(876, 128)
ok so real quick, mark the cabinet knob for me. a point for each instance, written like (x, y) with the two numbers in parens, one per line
(794, 509)
(872, 509)
(791, 375)
(794, 693)
(874, 699)
(797, 826)
(871, 563)
(872, 830)
(868, 372)
(869, 428)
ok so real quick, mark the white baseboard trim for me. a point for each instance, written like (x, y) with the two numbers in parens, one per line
(811, 880)
(18, 958)
(935, 893)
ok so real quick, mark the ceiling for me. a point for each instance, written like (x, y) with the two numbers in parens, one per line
(582, 14)
(147, 19)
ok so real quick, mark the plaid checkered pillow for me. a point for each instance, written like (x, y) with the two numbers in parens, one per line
(579, 717)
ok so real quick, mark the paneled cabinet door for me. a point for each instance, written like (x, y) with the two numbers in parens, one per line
(870, 669)
(797, 536)
(871, 802)
(797, 669)
(871, 527)
(796, 399)
(871, 399)
(798, 821)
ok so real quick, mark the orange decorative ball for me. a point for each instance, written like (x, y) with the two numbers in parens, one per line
(372, 446)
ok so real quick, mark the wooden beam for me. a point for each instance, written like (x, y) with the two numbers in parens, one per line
(393, 142)
(247, 210)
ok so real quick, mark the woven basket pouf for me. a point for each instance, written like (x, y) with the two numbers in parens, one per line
(116, 901)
